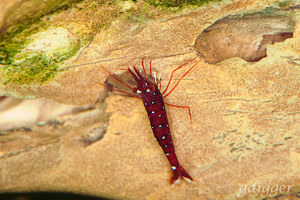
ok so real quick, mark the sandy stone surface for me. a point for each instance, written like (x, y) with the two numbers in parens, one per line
(19, 11)
(246, 36)
(245, 118)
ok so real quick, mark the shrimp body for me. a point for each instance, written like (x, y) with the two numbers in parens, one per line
(155, 107)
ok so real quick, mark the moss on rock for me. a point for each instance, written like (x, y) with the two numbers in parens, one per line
(36, 70)
(178, 3)
(36, 58)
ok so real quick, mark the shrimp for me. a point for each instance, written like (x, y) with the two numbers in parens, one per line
(155, 107)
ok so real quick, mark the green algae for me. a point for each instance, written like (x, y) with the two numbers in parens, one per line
(88, 18)
(36, 70)
(179, 3)
(21, 67)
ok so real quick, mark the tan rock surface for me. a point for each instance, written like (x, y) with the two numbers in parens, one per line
(245, 36)
(14, 12)
(245, 117)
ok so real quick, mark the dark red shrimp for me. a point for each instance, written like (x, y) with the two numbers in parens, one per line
(155, 107)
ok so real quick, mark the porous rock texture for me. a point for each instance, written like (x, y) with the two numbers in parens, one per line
(245, 36)
(245, 118)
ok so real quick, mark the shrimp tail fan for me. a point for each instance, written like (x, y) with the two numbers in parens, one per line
(180, 172)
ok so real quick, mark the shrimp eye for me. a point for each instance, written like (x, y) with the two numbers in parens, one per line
(152, 88)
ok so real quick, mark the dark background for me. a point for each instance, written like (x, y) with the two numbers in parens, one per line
(47, 196)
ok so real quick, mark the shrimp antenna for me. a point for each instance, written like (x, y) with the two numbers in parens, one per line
(111, 88)
(180, 77)
(114, 76)
(172, 75)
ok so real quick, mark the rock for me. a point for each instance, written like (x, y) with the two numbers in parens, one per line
(15, 113)
(245, 130)
(245, 36)
(54, 43)
(15, 12)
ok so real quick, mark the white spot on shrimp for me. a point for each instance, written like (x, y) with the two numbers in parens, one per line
(173, 167)
(167, 154)
(149, 117)
(163, 107)
(163, 137)
(152, 112)
(152, 127)
(152, 102)
(146, 104)
(153, 93)
(159, 126)
(138, 91)
(159, 115)
(167, 125)
(148, 90)
(166, 145)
